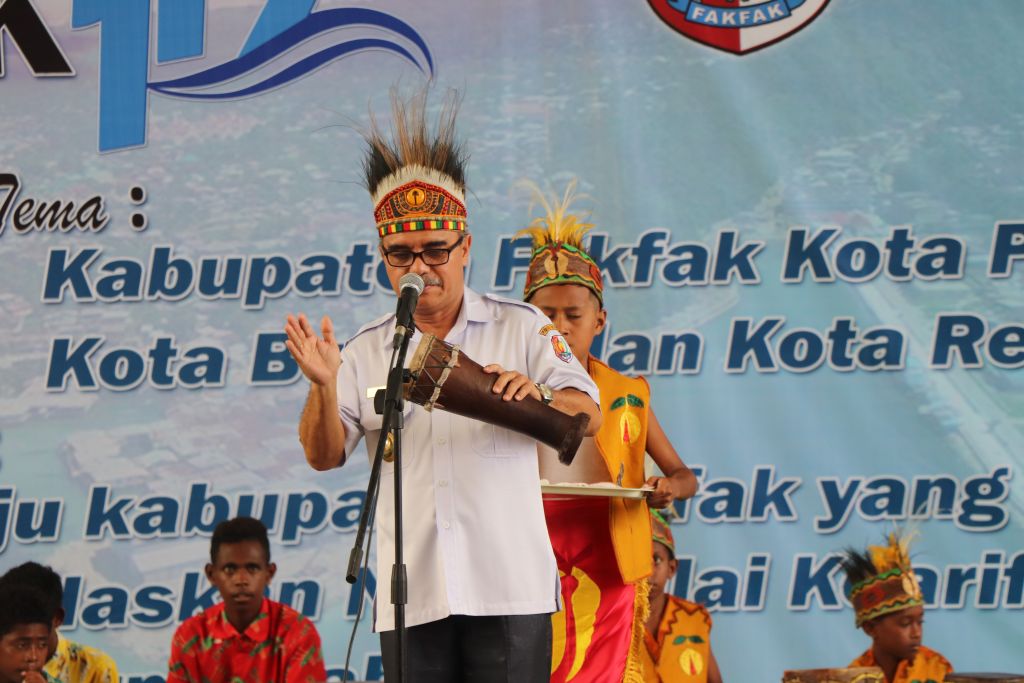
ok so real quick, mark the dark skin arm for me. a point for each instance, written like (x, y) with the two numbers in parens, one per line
(679, 482)
(714, 675)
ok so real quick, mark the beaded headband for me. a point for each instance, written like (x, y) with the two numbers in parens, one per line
(661, 532)
(558, 256)
(418, 198)
(889, 585)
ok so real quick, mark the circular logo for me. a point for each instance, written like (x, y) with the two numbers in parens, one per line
(415, 196)
(735, 27)
(691, 662)
(561, 348)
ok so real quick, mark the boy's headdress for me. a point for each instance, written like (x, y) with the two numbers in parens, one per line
(416, 177)
(882, 579)
(558, 256)
(661, 532)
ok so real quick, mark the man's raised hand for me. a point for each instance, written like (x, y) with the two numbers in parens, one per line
(318, 357)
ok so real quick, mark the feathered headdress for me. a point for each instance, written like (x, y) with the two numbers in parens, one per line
(417, 178)
(881, 578)
(558, 255)
(661, 531)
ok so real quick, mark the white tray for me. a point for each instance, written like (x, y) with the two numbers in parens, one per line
(602, 491)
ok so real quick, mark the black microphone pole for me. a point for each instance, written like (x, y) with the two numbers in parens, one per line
(410, 287)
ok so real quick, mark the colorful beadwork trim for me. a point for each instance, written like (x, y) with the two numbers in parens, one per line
(419, 205)
(562, 264)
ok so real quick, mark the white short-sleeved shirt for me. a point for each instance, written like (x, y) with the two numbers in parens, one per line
(475, 538)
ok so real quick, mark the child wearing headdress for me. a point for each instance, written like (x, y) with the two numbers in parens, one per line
(678, 633)
(602, 545)
(889, 608)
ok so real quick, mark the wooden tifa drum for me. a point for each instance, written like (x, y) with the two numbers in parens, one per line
(442, 376)
(860, 674)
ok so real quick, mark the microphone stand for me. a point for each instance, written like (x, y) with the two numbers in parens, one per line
(392, 423)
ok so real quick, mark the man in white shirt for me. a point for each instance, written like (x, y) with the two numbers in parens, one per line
(482, 576)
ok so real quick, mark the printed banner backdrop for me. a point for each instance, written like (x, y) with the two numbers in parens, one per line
(808, 217)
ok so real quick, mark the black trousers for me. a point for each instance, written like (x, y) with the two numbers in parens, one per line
(463, 649)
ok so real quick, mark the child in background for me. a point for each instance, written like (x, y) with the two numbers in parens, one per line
(678, 633)
(25, 629)
(246, 638)
(889, 607)
(67, 661)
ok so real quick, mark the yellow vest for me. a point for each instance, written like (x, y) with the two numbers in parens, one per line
(681, 650)
(928, 666)
(622, 442)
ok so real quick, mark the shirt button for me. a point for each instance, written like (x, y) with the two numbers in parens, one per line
(442, 441)
(443, 483)
(447, 525)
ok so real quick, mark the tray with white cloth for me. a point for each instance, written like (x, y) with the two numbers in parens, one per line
(603, 489)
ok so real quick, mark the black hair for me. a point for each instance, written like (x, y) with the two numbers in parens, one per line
(857, 565)
(20, 605)
(238, 530)
(40, 577)
(412, 142)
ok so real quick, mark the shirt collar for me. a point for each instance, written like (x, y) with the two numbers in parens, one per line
(473, 310)
(901, 667)
(222, 629)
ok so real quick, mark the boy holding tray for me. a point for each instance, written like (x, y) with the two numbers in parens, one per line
(602, 544)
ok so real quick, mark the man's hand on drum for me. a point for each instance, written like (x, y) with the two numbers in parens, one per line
(510, 384)
(318, 356)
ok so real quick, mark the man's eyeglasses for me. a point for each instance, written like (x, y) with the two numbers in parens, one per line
(435, 256)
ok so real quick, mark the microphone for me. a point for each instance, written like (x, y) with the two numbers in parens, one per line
(409, 288)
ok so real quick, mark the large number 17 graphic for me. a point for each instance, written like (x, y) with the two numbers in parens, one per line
(181, 34)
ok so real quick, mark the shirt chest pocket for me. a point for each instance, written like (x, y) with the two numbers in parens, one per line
(489, 441)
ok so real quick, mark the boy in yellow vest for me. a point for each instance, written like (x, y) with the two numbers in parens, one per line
(889, 607)
(602, 545)
(678, 633)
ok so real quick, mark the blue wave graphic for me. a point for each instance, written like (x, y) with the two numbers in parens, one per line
(314, 24)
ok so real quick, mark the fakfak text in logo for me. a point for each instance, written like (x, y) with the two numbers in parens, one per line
(738, 26)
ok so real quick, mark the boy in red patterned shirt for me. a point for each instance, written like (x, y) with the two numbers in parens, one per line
(246, 638)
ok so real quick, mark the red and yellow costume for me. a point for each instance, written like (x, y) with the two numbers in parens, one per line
(928, 666)
(602, 545)
(680, 651)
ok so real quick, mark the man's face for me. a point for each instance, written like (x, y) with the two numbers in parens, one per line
(574, 310)
(25, 648)
(664, 567)
(444, 284)
(898, 634)
(241, 575)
